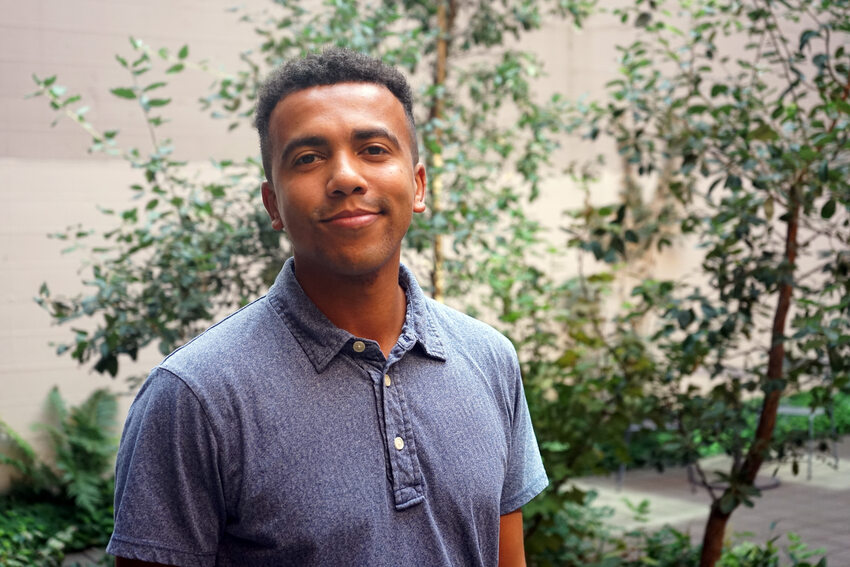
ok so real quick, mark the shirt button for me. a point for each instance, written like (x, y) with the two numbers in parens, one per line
(387, 381)
(359, 346)
(399, 443)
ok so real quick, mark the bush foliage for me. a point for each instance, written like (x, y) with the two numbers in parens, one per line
(63, 504)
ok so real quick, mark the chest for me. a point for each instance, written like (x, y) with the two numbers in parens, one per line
(373, 451)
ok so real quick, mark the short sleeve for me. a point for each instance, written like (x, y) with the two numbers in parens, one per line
(525, 477)
(169, 499)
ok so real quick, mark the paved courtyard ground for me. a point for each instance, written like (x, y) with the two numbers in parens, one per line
(818, 510)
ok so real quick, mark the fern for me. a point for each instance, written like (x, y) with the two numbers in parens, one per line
(83, 444)
(35, 476)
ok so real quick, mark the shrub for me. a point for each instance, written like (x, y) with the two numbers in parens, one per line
(66, 504)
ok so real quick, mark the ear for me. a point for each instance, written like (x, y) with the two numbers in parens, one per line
(421, 180)
(270, 202)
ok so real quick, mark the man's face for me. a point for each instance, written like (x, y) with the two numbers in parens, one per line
(344, 186)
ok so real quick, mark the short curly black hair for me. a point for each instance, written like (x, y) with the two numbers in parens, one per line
(332, 66)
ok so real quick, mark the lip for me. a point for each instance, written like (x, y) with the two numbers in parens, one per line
(353, 218)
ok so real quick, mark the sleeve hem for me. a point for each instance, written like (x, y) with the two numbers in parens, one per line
(132, 548)
(518, 501)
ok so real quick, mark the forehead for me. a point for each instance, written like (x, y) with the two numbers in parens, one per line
(330, 108)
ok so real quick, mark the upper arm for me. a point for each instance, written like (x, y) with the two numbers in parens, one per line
(169, 498)
(511, 545)
(525, 476)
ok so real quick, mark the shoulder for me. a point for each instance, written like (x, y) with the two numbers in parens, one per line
(237, 340)
(224, 370)
(466, 336)
(474, 348)
(479, 359)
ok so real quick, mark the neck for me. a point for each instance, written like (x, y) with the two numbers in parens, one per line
(371, 306)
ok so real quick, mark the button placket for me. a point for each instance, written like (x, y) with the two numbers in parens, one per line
(393, 421)
(406, 482)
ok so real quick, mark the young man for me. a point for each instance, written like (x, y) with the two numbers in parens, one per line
(344, 418)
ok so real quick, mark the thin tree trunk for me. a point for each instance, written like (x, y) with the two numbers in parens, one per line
(715, 529)
(445, 23)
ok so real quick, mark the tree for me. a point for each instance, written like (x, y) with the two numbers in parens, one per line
(752, 142)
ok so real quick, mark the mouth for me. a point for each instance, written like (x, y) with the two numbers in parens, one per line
(352, 218)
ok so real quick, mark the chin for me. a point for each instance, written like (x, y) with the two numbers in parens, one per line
(361, 267)
(356, 265)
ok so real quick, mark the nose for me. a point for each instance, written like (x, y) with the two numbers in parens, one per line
(345, 177)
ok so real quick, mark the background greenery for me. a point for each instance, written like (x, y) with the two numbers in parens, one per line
(65, 503)
(730, 121)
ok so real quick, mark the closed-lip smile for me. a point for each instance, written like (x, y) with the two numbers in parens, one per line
(352, 218)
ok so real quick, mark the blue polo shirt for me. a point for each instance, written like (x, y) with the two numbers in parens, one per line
(276, 438)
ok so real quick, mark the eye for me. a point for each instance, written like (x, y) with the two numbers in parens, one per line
(306, 159)
(375, 150)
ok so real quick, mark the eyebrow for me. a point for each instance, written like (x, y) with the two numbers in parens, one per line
(309, 141)
(320, 141)
(370, 133)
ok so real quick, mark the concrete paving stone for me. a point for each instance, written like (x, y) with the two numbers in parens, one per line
(840, 538)
(838, 531)
(838, 514)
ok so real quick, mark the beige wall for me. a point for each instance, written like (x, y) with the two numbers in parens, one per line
(47, 181)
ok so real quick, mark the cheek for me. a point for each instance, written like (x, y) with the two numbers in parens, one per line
(401, 179)
(293, 201)
(391, 171)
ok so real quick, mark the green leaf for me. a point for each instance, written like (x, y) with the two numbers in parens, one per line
(732, 182)
(108, 363)
(184, 52)
(806, 36)
(763, 133)
(216, 190)
(768, 207)
(153, 86)
(685, 317)
(727, 503)
(828, 209)
(643, 19)
(176, 68)
(719, 89)
(823, 171)
(127, 93)
(158, 101)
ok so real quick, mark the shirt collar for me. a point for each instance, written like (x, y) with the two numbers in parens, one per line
(321, 340)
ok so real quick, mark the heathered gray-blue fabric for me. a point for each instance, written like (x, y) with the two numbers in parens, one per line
(274, 438)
